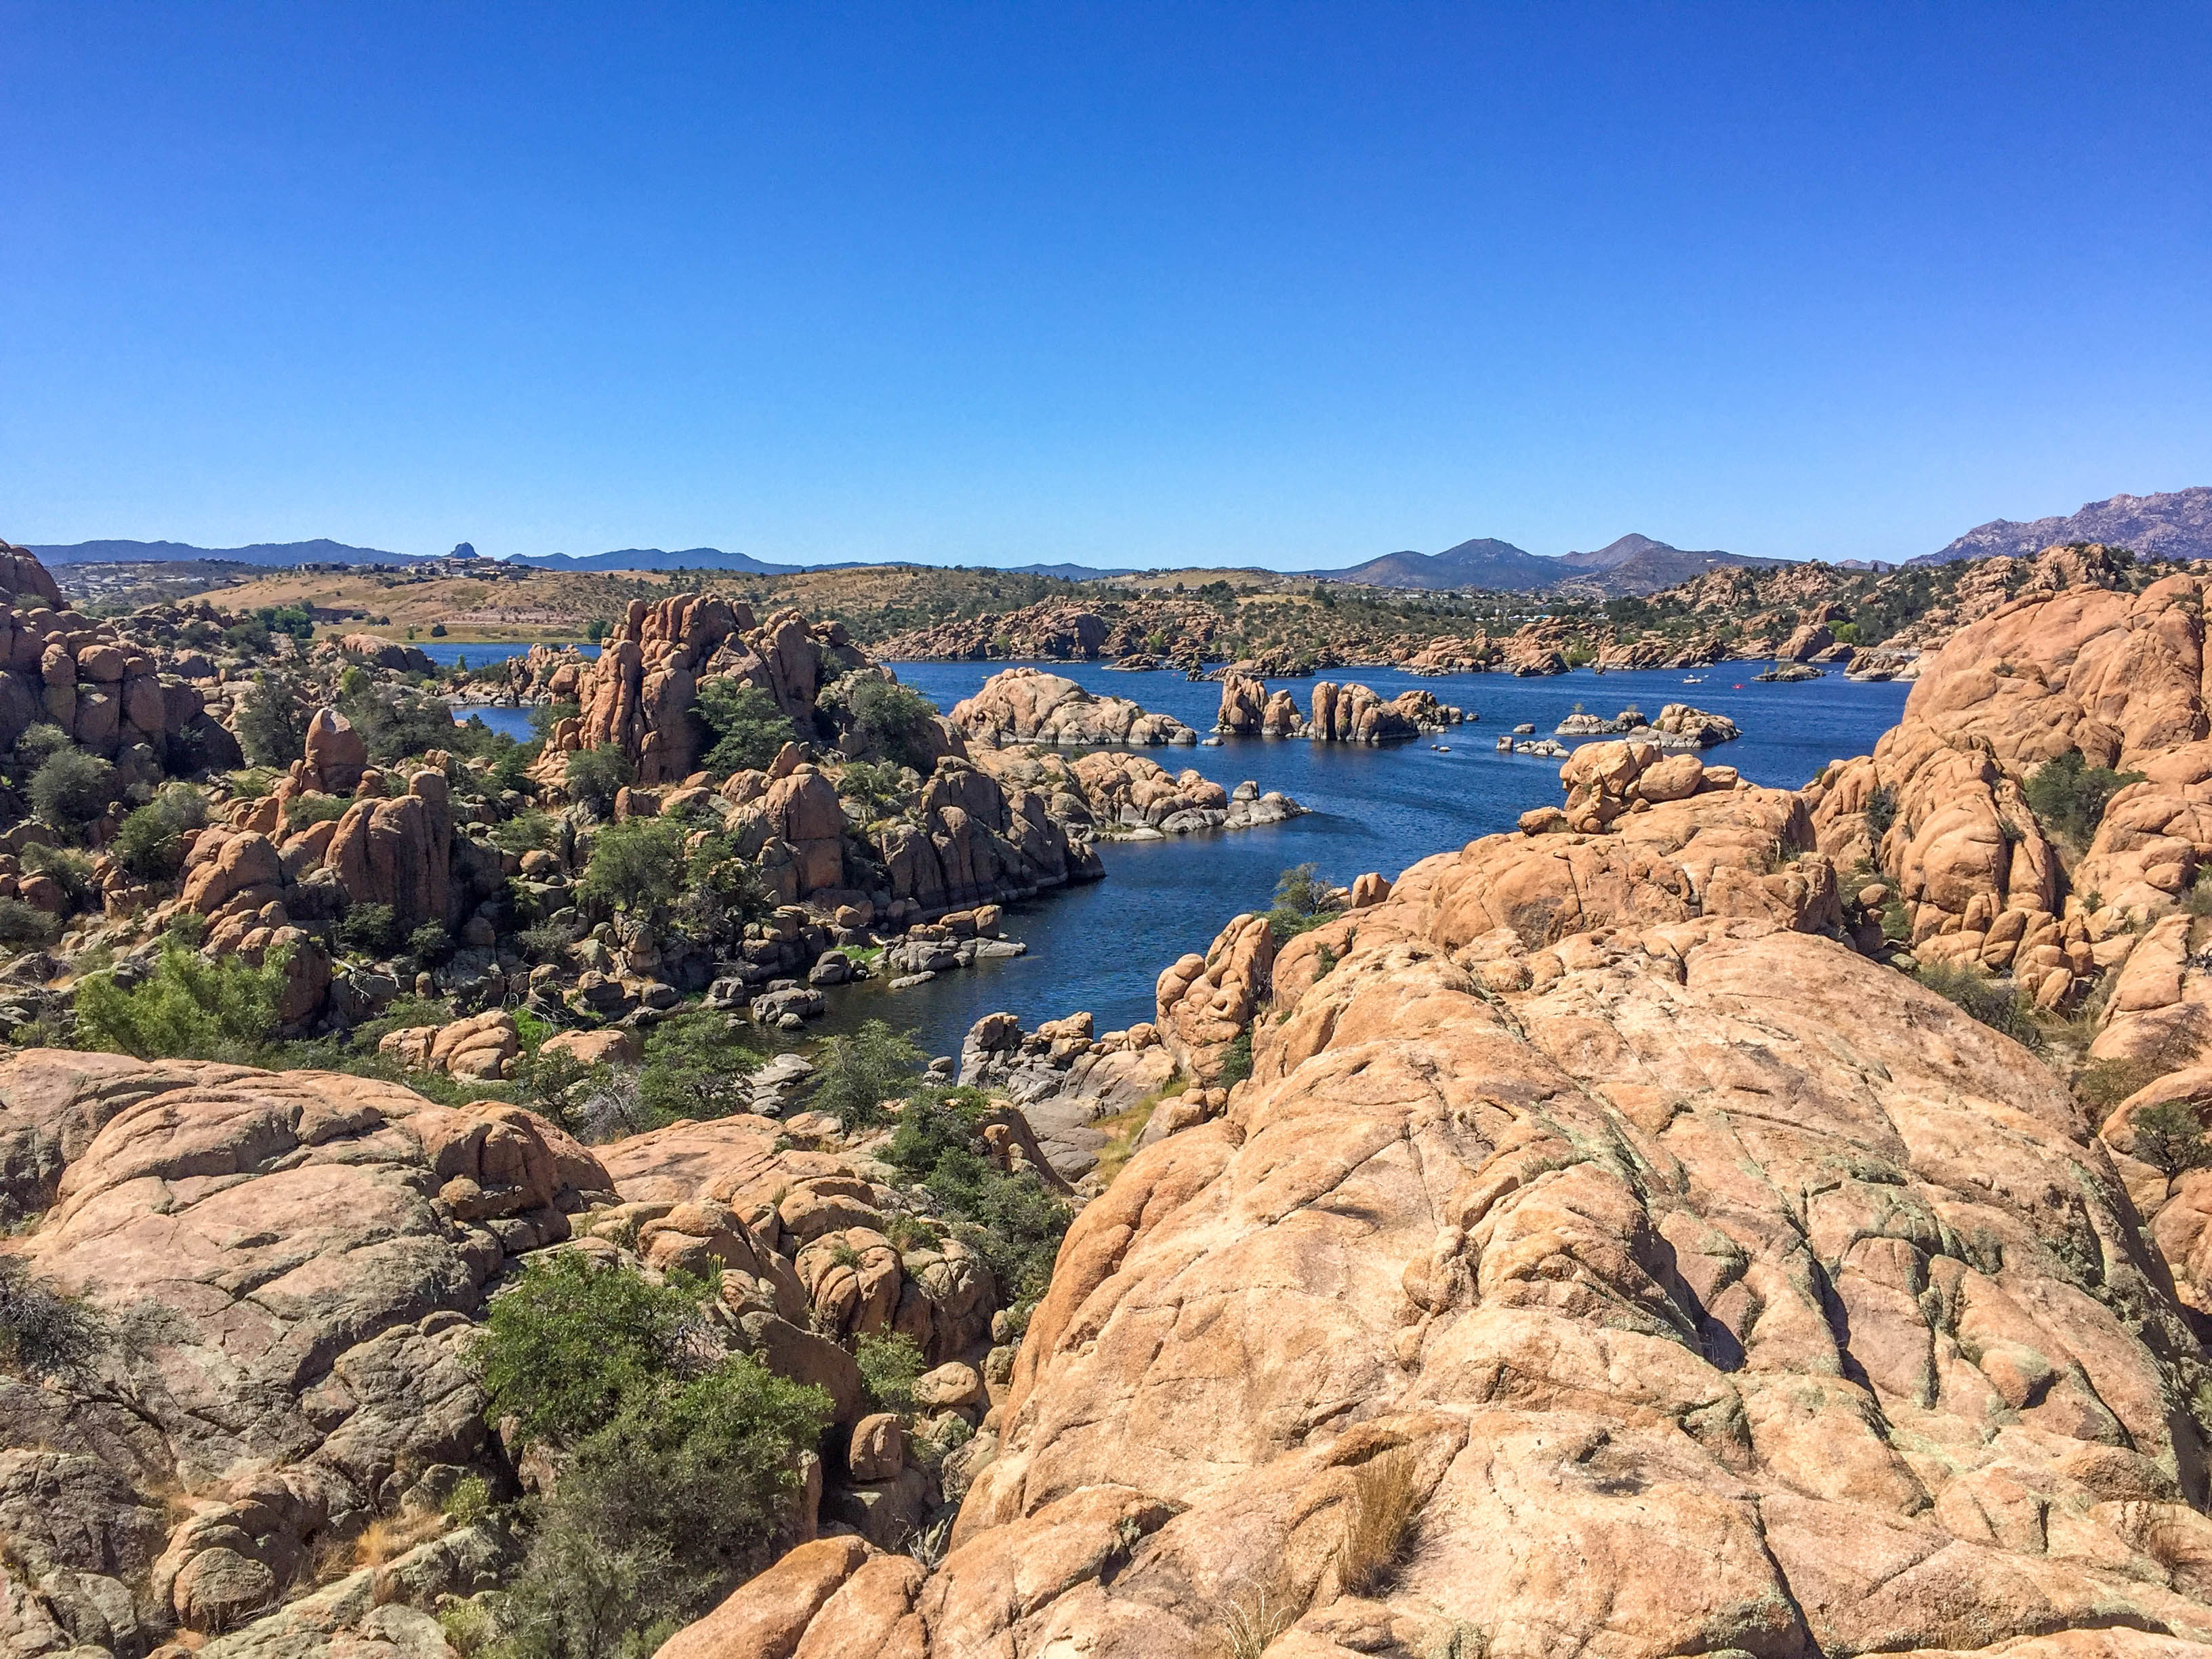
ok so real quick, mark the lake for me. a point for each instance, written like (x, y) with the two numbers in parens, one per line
(1101, 947)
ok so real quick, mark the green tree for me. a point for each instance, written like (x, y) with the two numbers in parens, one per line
(71, 788)
(1301, 903)
(595, 775)
(272, 722)
(638, 865)
(150, 845)
(187, 1008)
(563, 1349)
(893, 720)
(857, 1072)
(744, 723)
(695, 1067)
(2069, 796)
(2169, 1138)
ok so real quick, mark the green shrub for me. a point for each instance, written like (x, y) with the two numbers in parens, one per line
(39, 742)
(1997, 1003)
(891, 719)
(431, 944)
(636, 865)
(571, 1341)
(150, 844)
(721, 892)
(889, 1366)
(1010, 1219)
(744, 723)
(303, 810)
(70, 872)
(1880, 809)
(272, 723)
(695, 1067)
(877, 788)
(44, 1334)
(1300, 903)
(594, 776)
(187, 1008)
(396, 721)
(679, 1475)
(371, 929)
(2069, 796)
(26, 924)
(527, 832)
(2169, 1138)
(856, 1072)
(71, 788)
(1236, 1061)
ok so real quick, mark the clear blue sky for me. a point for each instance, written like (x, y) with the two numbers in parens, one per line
(1119, 283)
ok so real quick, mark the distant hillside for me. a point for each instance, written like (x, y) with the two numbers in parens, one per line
(1637, 564)
(321, 551)
(654, 558)
(1633, 565)
(1073, 573)
(1480, 563)
(2177, 524)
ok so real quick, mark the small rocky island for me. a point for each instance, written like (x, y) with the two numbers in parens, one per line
(1679, 726)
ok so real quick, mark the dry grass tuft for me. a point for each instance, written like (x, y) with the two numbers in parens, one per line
(1252, 1615)
(1386, 1502)
(389, 1537)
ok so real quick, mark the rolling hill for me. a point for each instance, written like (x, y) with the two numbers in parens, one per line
(322, 550)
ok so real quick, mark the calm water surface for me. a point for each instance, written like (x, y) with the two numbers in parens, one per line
(1103, 945)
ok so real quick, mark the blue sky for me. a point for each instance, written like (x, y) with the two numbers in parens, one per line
(1129, 284)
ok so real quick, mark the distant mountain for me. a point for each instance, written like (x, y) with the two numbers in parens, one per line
(654, 558)
(1070, 573)
(1633, 565)
(2177, 524)
(1637, 564)
(323, 551)
(1480, 563)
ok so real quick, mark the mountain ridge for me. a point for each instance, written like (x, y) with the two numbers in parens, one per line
(2174, 524)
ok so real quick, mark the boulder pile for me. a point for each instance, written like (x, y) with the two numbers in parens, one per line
(1348, 713)
(1026, 705)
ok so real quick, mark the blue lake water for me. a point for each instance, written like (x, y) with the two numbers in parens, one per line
(1102, 946)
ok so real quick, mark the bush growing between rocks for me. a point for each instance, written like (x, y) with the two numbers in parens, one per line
(1011, 1220)
(302, 812)
(856, 1072)
(889, 1366)
(877, 788)
(2169, 1138)
(1236, 1061)
(371, 929)
(70, 872)
(1300, 903)
(187, 1008)
(695, 1067)
(150, 844)
(71, 788)
(594, 776)
(678, 1464)
(1997, 1002)
(395, 722)
(746, 725)
(272, 725)
(25, 924)
(637, 866)
(44, 1334)
(2069, 796)
(895, 721)
(1386, 1502)
(38, 743)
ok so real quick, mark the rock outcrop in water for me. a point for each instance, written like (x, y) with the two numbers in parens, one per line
(1348, 713)
(1025, 706)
